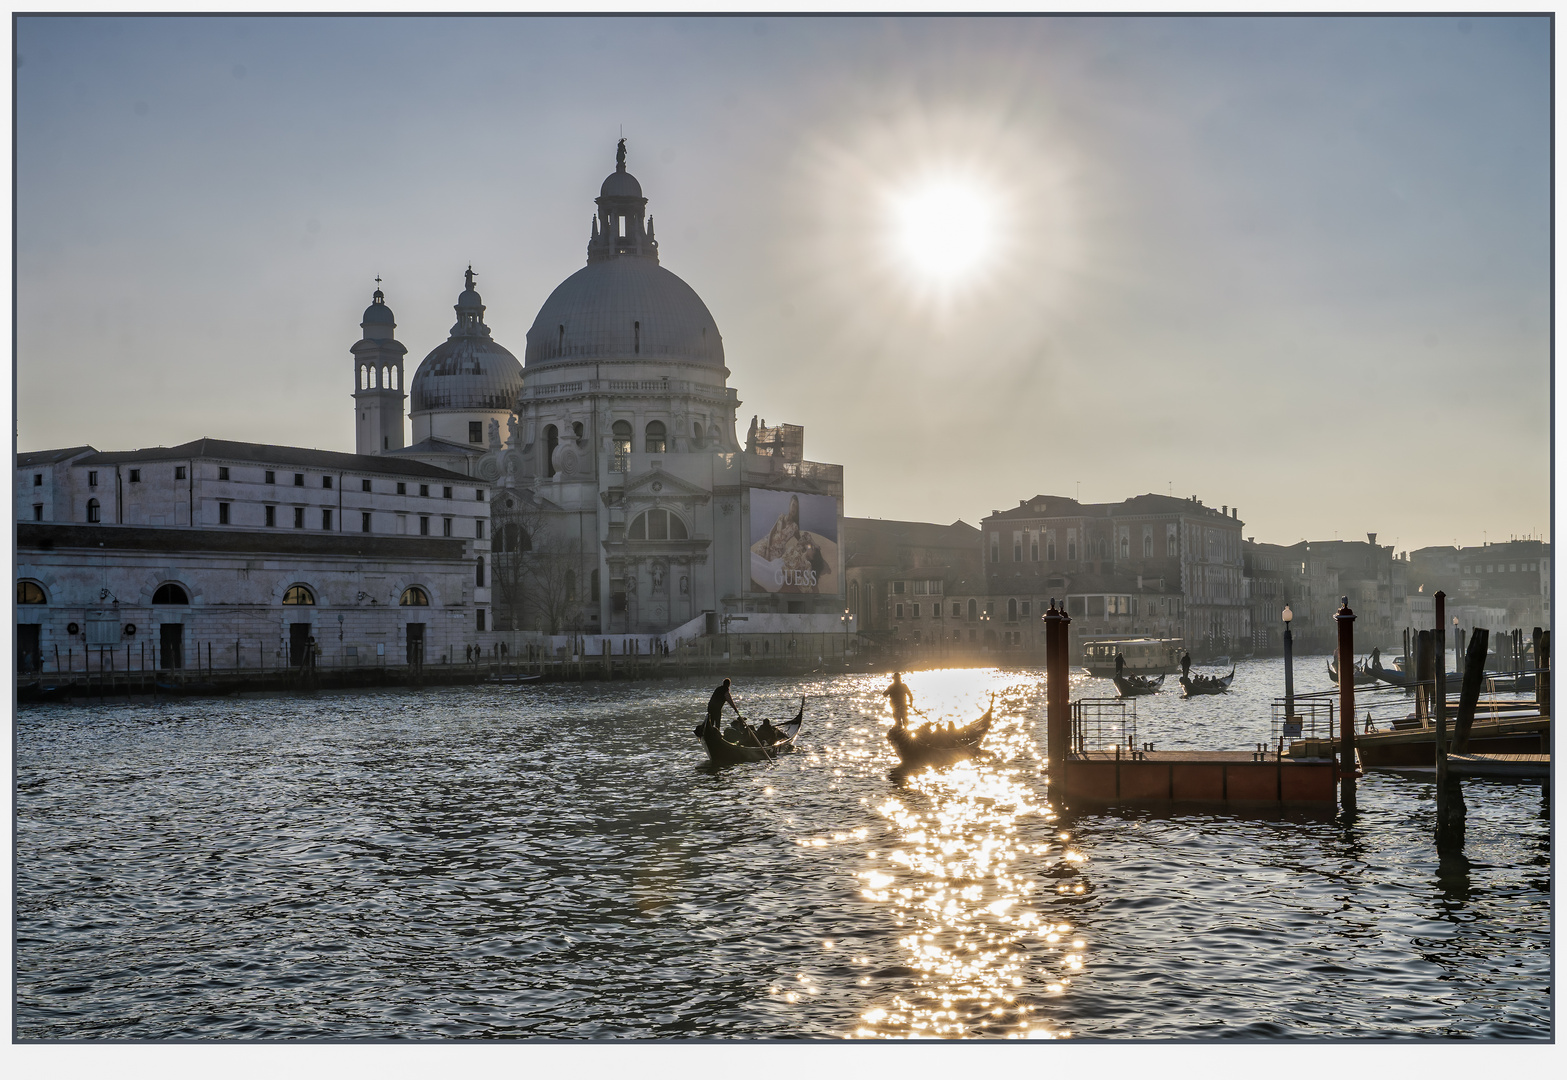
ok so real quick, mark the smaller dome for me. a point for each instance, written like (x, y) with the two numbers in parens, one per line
(378, 312)
(469, 298)
(620, 185)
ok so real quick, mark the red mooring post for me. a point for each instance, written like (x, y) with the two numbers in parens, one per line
(1346, 704)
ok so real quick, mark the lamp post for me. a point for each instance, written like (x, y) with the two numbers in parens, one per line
(1289, 666)
(845, 618)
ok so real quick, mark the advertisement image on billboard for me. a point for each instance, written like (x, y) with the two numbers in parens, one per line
(794, 542)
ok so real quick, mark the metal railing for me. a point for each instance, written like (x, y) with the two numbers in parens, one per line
(1101, 724)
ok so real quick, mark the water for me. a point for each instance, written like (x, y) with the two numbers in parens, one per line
(552, 863)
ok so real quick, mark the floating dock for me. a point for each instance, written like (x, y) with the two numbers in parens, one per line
(1520, 733)
(1236, 777)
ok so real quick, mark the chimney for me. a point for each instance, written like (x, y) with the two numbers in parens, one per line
(1224, 511)
(1235, 512)
(1371, 538)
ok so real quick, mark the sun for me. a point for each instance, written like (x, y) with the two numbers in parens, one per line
(945, 229)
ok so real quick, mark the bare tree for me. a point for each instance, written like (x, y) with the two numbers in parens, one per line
(534, 565)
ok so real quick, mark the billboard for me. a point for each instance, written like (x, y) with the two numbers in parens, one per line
(794, 542)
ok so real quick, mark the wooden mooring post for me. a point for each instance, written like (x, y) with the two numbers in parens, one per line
(1439, 700)
(1346, 704)
(1058, 709)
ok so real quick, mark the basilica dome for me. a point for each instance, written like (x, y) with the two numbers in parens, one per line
(623, 305)
(468, 370)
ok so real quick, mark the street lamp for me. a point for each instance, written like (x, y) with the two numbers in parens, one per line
(845, 618)
(1289, 669)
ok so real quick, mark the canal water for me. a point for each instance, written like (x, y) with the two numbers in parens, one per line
(554, 862)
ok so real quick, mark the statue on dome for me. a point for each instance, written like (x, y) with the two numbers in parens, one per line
(495, 434)
(620, 155)
(513, 433)
(468, 277)
(750, 437)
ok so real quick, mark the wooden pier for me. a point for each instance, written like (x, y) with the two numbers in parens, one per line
(1519, 732)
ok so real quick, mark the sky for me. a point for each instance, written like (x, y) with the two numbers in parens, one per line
(1298, 266)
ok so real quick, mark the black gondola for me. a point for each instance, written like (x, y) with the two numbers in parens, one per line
(1364, 676)
(720, 751)
(1206, 684)
(1133, 685)
(931, 745)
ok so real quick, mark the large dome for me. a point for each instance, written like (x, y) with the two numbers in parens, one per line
(624, 308)
(468, 370)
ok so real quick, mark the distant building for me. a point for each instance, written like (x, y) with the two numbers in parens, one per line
(1150, 566)
(915, 583)
(1500, 586)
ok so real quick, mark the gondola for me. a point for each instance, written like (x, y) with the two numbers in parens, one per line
(720, 751)
(512, 679)
(931, 745)
(1363, 676)
(1206, 684)
(1133, 685)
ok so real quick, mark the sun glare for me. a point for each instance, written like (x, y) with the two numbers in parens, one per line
(946, 229)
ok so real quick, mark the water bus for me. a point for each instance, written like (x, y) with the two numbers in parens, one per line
(1144, 656)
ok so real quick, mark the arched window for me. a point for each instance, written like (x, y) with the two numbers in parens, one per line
(29, 593)
(170, 593)
(621, 436)
(854, 597)
(478, 571)
(395, 379)
(1011, 611)
(551, 441)
(414, 596)
(512, 537)
(696, 436)
(655, 437)
(973, 610)
(92, 511)
(298, 594)
(657, 525)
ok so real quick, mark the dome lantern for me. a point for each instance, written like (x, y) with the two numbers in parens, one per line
(619, 229)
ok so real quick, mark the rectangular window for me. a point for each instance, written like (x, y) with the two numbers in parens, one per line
(271, 516)
(299, 479)
(223, 513)
(179, 472)
(897, 586)
(364, 485)
(92, 478)
(402, 524)
(424, 490)
(478, 494)
(899, 611)
(1017, 547)
(476, 435)
(446, 493)
(223, 472)
(135, 476)
(478, 529)
(402, 488)
(364, 522)
(1033, 547)
(326, 520)
(299, 517)
(1022, 609)
(326, 482)
(446, 526)
(921, 588)
(916, 613)
(424, 526)
(38, 479)
(271, 477)
(479, 616)
(38, 511)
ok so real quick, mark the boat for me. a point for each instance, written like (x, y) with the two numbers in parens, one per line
(512, 679)
(1206, 684)
(1143, 656)
(1364, 676)
(932, 745)
(720, 751)
(1133, 685)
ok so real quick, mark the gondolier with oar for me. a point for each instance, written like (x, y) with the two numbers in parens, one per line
(715, 706)
(901, 698)
(1120, 664)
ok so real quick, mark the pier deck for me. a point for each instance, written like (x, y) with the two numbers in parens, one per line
(1491, 766)
(1216, 776)
(1519, 733)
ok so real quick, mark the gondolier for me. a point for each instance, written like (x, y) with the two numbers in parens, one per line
(1120, 664)
(1186, 665)
(901, 697)
(715, 705)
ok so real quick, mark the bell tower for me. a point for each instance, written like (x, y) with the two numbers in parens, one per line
(378, 381)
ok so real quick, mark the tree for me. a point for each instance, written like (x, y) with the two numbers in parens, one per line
(534, 565)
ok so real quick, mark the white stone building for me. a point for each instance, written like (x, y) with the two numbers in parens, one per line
(609, 461)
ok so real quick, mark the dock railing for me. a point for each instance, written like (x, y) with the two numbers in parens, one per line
(1102, 724)
(1312, 719)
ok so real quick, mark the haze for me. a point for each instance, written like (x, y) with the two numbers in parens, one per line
(1294, 265)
